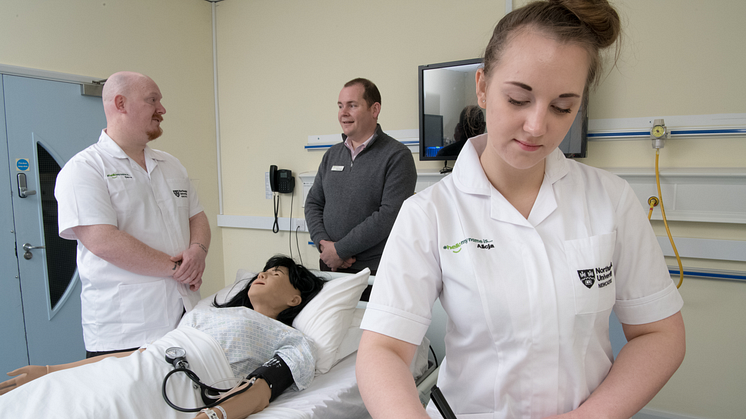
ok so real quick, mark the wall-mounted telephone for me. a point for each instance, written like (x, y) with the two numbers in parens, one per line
(281, 181)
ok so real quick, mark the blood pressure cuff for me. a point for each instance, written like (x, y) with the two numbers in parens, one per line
(276, 373)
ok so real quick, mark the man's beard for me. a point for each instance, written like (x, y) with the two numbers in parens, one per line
(153, 134)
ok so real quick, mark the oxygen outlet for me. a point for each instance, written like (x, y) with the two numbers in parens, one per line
(659, 134)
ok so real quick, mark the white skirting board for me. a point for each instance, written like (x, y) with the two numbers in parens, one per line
(261, 223)
(710, 195)
(696, 195)
(646, 413)
(733, 250)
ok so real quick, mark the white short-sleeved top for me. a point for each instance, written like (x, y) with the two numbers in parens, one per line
(102, 185)
(528, 300)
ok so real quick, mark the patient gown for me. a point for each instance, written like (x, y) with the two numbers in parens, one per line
(221, 343)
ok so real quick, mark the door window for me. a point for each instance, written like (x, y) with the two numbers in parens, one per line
(60, 253)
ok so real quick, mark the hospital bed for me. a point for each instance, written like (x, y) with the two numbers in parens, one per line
(130, 386)
(334, 394)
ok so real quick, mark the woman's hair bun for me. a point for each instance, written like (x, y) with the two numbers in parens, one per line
(592, 24)
(599, 16)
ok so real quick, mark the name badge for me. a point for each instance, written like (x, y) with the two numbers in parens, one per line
(337, 168)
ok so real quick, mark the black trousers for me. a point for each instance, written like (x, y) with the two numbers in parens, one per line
(92, 354)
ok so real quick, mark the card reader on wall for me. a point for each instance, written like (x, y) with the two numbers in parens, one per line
(281, 181)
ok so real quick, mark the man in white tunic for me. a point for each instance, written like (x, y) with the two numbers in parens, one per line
(142, 234)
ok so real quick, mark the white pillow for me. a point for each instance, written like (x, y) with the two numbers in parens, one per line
(327, 317)
(354, 333)
(325, 320)
(352, 337)
(228, 292)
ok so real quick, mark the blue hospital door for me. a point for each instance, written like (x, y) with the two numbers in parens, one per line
(45, 124)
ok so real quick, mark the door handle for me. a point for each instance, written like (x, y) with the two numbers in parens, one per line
(22, 191)
(27, 247)
(27, 250)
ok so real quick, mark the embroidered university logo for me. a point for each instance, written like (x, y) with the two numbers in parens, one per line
(180, 193)
(587, 277)
(603, 276)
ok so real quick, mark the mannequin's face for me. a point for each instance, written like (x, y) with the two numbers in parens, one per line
(273, 288)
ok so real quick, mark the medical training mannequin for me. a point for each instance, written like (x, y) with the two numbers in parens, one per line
(279, 293)
(527, 251)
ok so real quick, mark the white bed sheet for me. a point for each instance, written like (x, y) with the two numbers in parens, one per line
(333, 395)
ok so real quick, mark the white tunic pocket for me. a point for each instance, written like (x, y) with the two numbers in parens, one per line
(143, 306)
(592, 272)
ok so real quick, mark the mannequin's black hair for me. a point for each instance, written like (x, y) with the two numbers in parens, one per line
(301, 278)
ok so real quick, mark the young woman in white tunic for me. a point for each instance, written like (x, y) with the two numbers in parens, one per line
(527, 251)
(222, 342)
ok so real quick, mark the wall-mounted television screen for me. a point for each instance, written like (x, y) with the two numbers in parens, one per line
(446, 91)
(575, 143)
(449, 113)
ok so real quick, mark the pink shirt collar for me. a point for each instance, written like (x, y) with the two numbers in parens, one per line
(355, 151)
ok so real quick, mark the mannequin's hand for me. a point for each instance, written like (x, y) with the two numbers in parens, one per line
(22, 376)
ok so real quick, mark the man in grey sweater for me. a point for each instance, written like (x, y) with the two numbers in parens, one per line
(360, 185)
